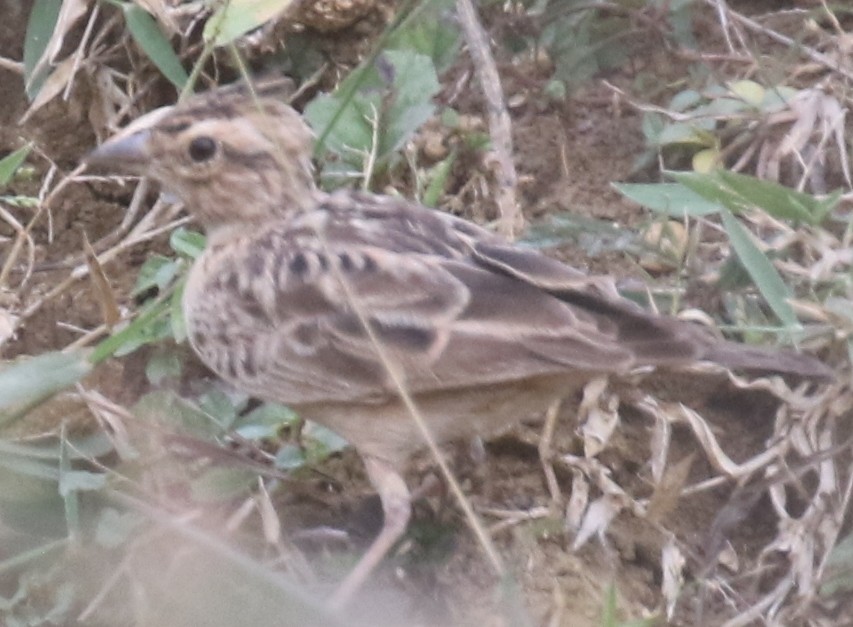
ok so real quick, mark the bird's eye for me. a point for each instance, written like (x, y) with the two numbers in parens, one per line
(202, 149)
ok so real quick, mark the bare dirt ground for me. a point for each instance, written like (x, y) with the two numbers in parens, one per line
(567, 155)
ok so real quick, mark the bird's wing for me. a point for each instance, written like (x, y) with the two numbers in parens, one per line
(651, 339)
(445, 313)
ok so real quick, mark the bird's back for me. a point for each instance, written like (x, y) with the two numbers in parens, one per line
(281, 310)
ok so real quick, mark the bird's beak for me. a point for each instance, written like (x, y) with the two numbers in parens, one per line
(124, 152)
(129, 149)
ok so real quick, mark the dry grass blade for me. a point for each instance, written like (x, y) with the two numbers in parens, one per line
(598, 415)
(52, 87)
(668, 491)
(70, 12)
(157, 221)
(300, 609)
(22, 236)
(106, 298)
(399, 383)
(754, 26)
(672, 565)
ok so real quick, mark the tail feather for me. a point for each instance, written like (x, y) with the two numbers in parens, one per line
(758, 359)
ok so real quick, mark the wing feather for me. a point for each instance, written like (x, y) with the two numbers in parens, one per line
(446, 319)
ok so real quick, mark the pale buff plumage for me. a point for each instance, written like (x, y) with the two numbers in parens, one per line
(484, 333)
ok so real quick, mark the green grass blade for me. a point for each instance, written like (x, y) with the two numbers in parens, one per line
(137, 333)
(673, 199)
(32, 555)
(347, 89)
(43, 17)
(154, 43)
(11, 162)
(34, 379)
(711, 188)
(237, 17)
(777, 200)
(438, 180)
(760, 269)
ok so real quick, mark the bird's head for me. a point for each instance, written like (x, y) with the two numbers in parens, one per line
(232, 156)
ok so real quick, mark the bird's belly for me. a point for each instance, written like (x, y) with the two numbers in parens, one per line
(388, 431)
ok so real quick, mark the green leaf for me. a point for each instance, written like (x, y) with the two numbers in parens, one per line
(438, 180)
(684, 100)
(761, 270)
(167, 408)
(157, 271)
(609, 609)
(739, 192)
(24, 202)
(69, 495)
(749, 91)
(351, 137)
(431, 30)
(43, 17)
(33, 379)
(115, 527)
(186, 242)
(235, 18)
(394, 98)
(592, 235)
(839, 573)
(672, 199)
(177, 323)
(220, 407)
(34, 554)
(777, 98)
(76, 480)
(84, 447)
(155, 44)
(653, 125)
(268, 414)
(26, 467)
(722, 107)
(778, 200)
(152, 325)
(162, 365)
(290, 457)
(221, 483)
(265, 421)
(414, 84)
(320, 442)
(11, 162)
(711, 188)
(696, 133)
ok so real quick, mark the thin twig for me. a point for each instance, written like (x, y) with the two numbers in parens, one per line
(79, 54)
(370, 156)
(811, 53)
(83, 270)
(21, 237)
(398, 381)
(13, 66)
(724, 24)
(500, 125)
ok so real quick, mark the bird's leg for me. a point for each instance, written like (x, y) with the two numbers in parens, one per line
(396, 508)
(546, 454)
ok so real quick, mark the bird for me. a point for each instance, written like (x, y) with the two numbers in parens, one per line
(327, 301)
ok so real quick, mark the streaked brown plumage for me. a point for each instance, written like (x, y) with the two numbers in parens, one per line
(484, 332)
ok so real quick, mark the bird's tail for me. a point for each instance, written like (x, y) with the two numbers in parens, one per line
(756, 359)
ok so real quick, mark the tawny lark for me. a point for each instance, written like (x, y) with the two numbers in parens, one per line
(483, 332)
